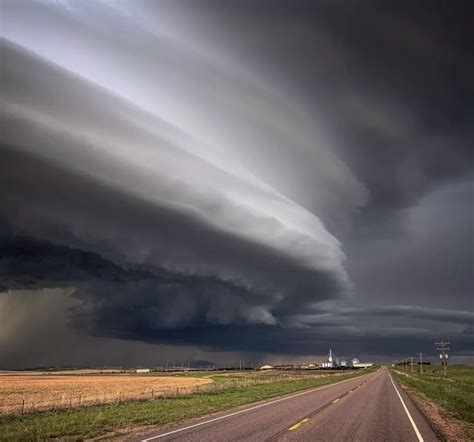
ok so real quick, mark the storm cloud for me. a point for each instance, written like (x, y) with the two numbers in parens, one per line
(244, 178)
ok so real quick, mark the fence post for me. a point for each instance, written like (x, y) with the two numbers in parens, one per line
(79, 400)
(152, 393)
(23, 406)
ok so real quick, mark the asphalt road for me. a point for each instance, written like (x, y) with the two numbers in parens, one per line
(371, 407)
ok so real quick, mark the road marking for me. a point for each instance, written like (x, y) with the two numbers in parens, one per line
(418, 434)
(247, 409)
(335, 400)
(298, 424)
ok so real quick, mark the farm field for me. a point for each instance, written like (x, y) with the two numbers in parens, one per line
(226, 391)
(60, 372)
(27, 392)
(24, 393)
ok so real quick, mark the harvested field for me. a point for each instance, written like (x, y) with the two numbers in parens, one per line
(35, 392)
(60, 372)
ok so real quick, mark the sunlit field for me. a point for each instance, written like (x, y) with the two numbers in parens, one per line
(23, 393)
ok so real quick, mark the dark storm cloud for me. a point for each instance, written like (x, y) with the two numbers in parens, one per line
(172, 297)
(430, 259)
(238, 253)
(392, 81)
(405, 311)
(257, 143)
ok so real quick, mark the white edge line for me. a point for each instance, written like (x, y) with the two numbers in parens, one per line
(248, 409)
(418, 434)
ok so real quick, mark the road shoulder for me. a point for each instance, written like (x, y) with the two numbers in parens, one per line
(445, 426)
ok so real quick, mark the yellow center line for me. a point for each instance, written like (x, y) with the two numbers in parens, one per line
(335, 400)
(298, 424)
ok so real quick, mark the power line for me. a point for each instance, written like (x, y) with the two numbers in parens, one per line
(421, 362)
(443, 348)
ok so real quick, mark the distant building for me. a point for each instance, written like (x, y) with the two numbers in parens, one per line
(266, 367)
(343, 363)
(354, 362)
(142, 370)
(331, 361)
(308, 366)
(363, 365)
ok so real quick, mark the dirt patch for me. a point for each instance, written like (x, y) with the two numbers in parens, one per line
(446, 426)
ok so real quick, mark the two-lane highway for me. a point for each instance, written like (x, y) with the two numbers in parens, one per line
(371, 407)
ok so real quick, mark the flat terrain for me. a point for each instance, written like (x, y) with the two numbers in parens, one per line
(35, 392)
(367, 408)
(234, 390)
(455, 395)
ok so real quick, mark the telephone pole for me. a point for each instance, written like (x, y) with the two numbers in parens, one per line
(443, 348)
(411, 363)
(421, 362)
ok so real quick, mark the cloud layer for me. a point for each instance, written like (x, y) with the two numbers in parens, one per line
(115, 180)
(197, 177)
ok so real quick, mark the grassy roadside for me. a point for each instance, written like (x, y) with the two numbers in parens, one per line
(454, 395)
(77, 424)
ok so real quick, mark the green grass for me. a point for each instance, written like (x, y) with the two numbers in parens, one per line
(455, 395)
(251, 376)
(77, 424)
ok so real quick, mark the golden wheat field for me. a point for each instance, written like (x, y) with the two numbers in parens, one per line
(21, 393)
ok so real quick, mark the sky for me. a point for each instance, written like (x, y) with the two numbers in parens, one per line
(212, 181)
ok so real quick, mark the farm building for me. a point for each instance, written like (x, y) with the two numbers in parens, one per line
(363, 365)
(266, 367)
(142, 370)
(309, 366)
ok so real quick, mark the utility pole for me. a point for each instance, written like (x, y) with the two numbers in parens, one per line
(421, 362)
(443, 348)
(411, 363)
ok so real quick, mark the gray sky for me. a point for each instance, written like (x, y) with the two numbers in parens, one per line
(215, 181)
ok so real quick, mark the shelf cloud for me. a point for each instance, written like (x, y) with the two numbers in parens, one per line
(267, 179)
